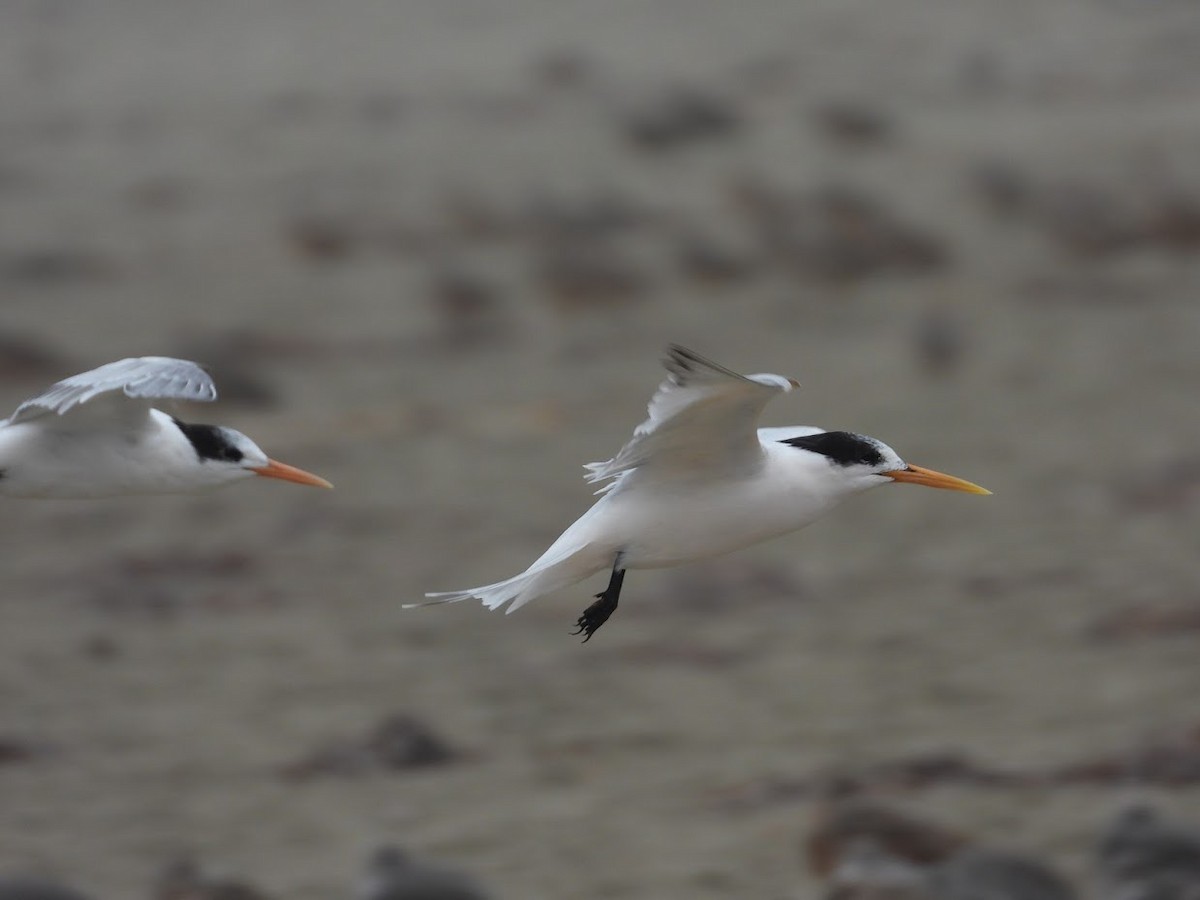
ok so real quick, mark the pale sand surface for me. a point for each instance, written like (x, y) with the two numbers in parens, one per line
(256, 624)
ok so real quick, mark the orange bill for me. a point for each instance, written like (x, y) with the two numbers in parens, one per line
(285, 472)
(930, 478)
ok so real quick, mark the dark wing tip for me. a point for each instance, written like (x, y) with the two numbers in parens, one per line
(681, 362)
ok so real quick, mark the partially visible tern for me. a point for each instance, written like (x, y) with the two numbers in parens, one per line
(97, 435)
(698, 479)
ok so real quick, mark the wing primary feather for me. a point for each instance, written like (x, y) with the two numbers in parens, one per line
(139, 378)
(702, 415)
(682, 362)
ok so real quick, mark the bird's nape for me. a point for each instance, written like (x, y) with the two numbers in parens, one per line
(284, 472)
(911, 474)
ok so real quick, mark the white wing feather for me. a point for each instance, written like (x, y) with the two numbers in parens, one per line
(702, 419)
(138, 378)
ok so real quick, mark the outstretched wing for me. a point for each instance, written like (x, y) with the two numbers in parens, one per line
(702, 422)
(140, 378)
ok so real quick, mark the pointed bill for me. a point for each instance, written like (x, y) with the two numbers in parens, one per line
(274, 469)
(928, 477)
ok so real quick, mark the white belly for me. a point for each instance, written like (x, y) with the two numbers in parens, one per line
(671, 525)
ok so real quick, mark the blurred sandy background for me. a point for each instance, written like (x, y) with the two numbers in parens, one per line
(432, 250)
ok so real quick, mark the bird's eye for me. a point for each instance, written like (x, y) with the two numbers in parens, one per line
(232, 454)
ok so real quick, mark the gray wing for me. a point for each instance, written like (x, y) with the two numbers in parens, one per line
(138, 378)
(701, 420)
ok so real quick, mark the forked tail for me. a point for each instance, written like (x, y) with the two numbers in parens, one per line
(542, 577)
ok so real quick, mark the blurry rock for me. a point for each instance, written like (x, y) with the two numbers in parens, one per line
(1170, 487)
(101, 648)
(20, 888)
(841, 823)
(1173, 760)
(1086, 286)
(579, 274)
(886, 849)
(26, 359)
(708, 260)
(184, 880)
(471, 216)
(904, 773)
(181, 563)
(853, 123)
(399, 742)
(1142, 856)
(18, 750)
(1174, 221)
(1087, 220)
(939, 339)
(467, 306)
(408, 239)
(867, 871)
(1091, 220)
(53, 266)
(392, 874)
(979, 874)
(341, 759)
(850, 235)
(1147, 621)
(837, 233)
(564, 68)
(595, 216)
(172, 580)
(403, 741)
(161, 194)
(1011, 582)
(1003, 187)
(921, 771)
(320, 238)
(680, 116)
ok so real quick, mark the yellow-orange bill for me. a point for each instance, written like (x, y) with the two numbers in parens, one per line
(285, 472)
(930, 478)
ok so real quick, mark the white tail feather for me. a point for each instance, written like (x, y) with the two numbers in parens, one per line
(542, 577)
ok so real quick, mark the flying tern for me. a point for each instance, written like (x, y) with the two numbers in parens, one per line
(698, 479)
(97, 435)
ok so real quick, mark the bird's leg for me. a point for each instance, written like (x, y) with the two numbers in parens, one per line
(606, 604)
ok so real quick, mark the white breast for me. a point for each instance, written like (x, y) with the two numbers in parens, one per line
(665, 524)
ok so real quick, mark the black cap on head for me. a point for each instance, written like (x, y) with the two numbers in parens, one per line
(209, 442)
(843, 448)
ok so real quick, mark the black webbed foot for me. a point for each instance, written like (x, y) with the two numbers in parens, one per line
(595, 615)
(606, 604)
